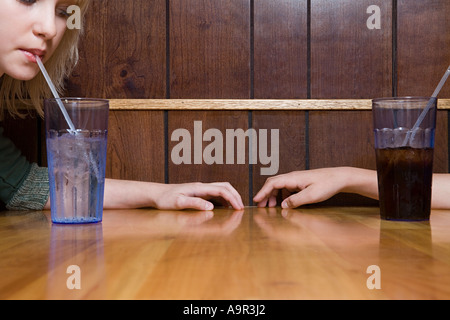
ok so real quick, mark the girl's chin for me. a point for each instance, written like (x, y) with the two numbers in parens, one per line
(25, 74)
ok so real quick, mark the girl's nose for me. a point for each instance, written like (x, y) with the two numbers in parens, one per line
(45, 25)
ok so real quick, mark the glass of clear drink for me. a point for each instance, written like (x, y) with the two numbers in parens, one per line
(76, 160)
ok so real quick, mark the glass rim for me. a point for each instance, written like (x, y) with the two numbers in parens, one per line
(403, 98)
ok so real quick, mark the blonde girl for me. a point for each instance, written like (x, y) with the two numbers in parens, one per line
(39, 27)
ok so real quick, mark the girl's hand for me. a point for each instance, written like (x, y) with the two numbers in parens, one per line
(313, 186)
(197, 195)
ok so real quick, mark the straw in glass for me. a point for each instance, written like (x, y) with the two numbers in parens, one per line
(427, 108)
(72, 129)
(56, 95)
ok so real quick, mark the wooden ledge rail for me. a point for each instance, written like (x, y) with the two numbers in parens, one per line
(248, 104)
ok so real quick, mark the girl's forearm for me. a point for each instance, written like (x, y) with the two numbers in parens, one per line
(361, 181)
(440, 198)
(120, 194)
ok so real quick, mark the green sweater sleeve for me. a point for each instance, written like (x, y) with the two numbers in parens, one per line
(23, 185)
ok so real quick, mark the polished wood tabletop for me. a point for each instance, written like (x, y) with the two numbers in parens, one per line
(310, 253)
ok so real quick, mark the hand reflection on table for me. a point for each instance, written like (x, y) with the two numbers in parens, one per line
(85, 246)
(165, 224)
(311, 252)
(321, 225)
(402, 250)
(297, 227)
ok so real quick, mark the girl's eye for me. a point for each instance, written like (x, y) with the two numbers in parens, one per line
(28, 2)
(62, 12)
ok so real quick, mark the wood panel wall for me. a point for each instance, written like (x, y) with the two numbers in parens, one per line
(255, 49)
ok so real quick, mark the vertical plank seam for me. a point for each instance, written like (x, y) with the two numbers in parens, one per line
(308, 79)
(307, 166)
(252, 49)
(252, 93)
(308, 49)
(250, 165)
(448, 141)
(166, 146)
(167, 49)
(166, 112)
(394, 49)
(104, 21)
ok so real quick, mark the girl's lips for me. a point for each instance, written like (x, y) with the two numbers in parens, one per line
(30, 54)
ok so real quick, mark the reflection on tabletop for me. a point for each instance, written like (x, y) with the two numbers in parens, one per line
(256, 253)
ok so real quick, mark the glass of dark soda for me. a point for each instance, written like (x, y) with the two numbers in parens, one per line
(404, 129)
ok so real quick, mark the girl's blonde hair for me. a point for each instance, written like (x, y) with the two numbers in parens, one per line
(59, 66)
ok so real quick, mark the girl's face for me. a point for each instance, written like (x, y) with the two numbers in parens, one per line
(28, 28)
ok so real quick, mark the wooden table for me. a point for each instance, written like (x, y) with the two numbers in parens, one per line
(311, 253)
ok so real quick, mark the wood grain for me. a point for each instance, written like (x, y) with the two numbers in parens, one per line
(136, 146)
(204, 49)
(123, 51)
(291, 145)
(349, 60)
(308, 253)
(249, 104)
(198, 170)
(344, 138)
(423, 46)
(441, 151)
(135, 49)
(88, 77)
(209, 49)
(280, 53)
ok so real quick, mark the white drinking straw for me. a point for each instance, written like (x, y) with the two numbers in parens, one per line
(56, 95)
(428, 107)
(72, 129)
